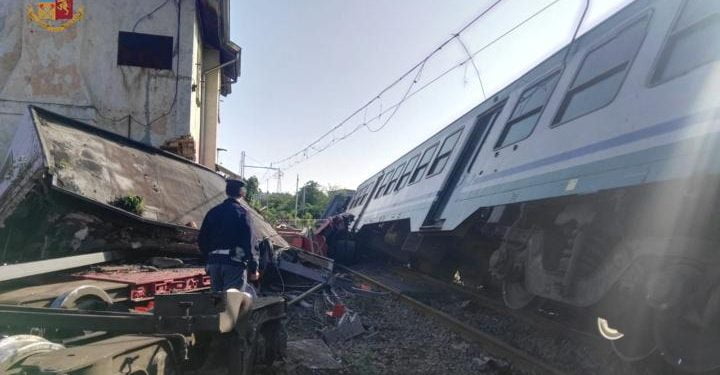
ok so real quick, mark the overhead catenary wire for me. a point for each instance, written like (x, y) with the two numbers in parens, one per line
(305, 152)
(394, 83)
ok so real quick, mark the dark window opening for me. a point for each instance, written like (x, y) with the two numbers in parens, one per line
(394, 178)
(359, 196)
(5, 171)
(356, 198)
(602, 73)
(145, 50)
(406, 173)
(384, 182)
(444, 154)
(527, 111)
(423, 164)
(693, 42)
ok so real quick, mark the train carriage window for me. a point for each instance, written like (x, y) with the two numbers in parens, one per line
(384, 182)
(394, 178)
(601, 74)
(444, 154)
(693, 42)
(364, 196)
(358, 195)
(406, 173)
(527, 111)
(423, 164)
(354, 200)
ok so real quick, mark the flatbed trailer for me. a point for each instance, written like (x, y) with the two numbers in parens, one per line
(91, 327)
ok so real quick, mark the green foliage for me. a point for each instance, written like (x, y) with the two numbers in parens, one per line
(252, 185)
(132, 203)
(280, 207)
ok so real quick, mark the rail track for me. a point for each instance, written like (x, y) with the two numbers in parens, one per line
(534, 358)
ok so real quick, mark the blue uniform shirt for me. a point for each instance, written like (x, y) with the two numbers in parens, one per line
(226, 227)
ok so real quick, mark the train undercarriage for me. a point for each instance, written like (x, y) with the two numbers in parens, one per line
(643, 259)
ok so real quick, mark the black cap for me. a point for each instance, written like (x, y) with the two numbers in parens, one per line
(233, 186)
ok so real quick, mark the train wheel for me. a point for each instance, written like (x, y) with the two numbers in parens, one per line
(14, 349)
(634, 343)
(690, 341)
(86, 297)
(515, 295)
(627, 322)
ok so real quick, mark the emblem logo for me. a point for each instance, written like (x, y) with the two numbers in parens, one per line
(55, 15)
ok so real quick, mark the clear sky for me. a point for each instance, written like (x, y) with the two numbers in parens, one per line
(308, 64)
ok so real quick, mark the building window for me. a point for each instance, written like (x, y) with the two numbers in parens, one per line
(394, 179)
(527, 111)
(406, 173)
(423, 164)
(444, 154)
(145, 50)
(694, 41)
(601, 74)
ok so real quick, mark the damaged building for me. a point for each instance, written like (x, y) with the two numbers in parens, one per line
(151, 71)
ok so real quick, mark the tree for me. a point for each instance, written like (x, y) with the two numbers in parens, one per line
(252, 185)
(280, 207)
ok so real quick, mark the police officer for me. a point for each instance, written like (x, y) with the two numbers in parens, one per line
(225, 241)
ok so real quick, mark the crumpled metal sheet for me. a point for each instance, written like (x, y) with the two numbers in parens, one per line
(55, 199)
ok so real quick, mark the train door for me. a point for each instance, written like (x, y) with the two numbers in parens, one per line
(466, 159)
(367, 201)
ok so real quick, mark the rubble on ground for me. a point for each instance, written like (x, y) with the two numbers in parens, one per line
(378, 334)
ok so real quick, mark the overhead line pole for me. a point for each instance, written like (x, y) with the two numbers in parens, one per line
(277, 170)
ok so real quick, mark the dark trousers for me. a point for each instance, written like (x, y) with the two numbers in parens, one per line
(226, 276)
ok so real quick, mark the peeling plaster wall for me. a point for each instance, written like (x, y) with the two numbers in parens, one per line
(74, 72)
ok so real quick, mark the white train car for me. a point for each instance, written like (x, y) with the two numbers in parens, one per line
(592, 180)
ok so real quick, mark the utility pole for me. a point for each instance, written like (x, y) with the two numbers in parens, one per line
(297, 190)
(278, 172)
(303, 204)
(242, 165)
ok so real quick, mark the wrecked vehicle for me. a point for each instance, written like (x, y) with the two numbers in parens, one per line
(73, 197)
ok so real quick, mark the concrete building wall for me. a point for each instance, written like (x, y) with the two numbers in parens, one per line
(71, 67)
(196, 100)
(211, 91)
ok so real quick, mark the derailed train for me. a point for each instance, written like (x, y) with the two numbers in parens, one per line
(592, 180)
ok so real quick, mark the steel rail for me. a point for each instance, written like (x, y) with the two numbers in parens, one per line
(538, 322)
(306, 293)
(492, 344)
